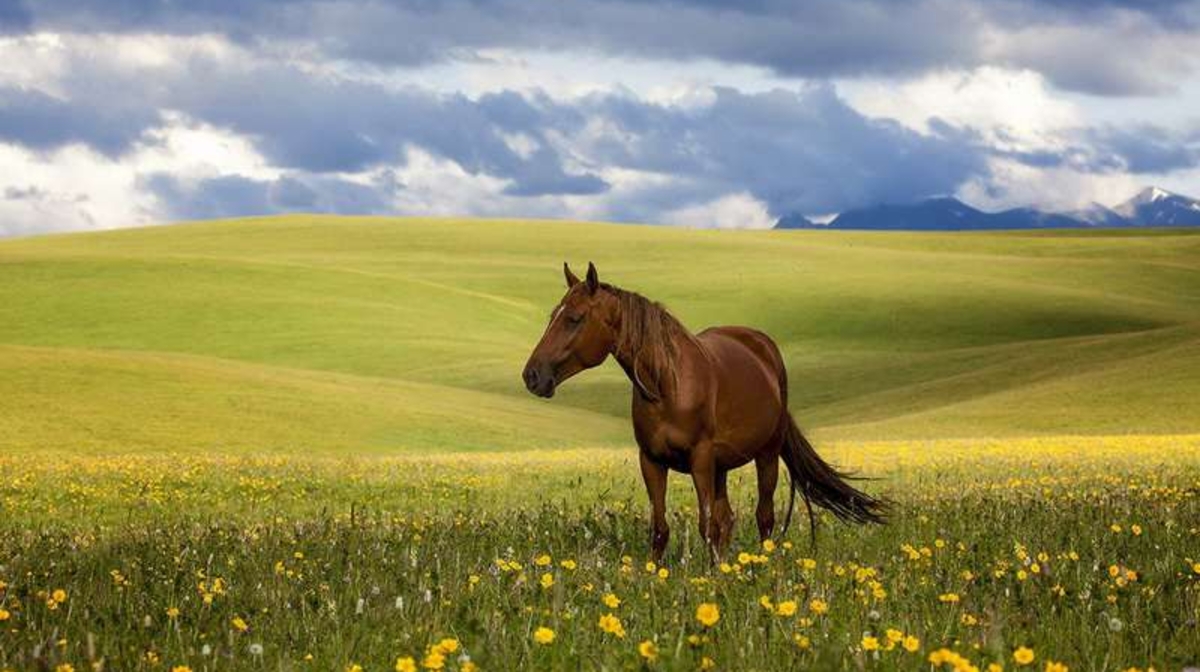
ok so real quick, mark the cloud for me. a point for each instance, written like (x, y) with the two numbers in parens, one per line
(39, 121)
(229, 196)
(184, 128)
(1082, 46)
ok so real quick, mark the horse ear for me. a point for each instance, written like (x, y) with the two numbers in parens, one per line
(593, 278)
(571, 279)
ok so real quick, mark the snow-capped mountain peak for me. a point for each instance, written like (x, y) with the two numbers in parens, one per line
(1153, 206)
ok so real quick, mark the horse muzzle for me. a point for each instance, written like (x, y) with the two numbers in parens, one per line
(539, 380)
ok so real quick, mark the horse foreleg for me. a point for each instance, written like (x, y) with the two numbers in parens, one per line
(704, 478)
(722, 514)
(655, 476)
(768, 478)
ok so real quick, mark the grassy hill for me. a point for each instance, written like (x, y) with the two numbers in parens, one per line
(371, 334)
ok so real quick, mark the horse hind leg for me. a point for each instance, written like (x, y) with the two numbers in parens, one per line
(768, 478)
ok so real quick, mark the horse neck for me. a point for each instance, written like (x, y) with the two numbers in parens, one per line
(644, 373)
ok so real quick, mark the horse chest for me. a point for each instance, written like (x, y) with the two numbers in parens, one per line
(666, 440)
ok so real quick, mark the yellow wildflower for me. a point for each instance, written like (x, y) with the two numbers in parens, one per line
(543, 635)
(406, 664)
(648, 650)
(434, 660)
(612, 625)
(1023, 655)
(708, 614)
(611, 601)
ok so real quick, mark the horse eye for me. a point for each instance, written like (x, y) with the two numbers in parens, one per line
(574, 319)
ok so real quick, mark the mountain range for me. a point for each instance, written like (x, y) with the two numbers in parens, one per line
(1150, 207)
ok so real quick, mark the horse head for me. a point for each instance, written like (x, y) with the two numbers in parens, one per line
(580, 334)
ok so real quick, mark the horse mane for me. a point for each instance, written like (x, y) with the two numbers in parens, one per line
(646, 338)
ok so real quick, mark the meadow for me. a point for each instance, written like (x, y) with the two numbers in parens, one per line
(302, 443)
(1014, 554)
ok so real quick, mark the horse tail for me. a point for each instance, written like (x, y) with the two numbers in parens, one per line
(821, 484)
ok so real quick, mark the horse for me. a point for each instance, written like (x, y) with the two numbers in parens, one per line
(702, 404)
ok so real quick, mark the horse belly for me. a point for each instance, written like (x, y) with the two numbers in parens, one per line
(749, 402)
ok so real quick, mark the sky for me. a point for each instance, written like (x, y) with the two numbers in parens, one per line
(700, 113)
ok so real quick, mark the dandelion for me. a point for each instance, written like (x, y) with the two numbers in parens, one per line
(239, 624)
(910, 644)
(707, 663)
(568, 565)
(768, 546)
(354, 667)
(1023, 655)
(256, 649)
(172, 612)
(610, 624)
(434, 660)
(663, 573)
(611, 601)
(818, 606)
(786, 608)
(181, 668)
(59, 596)
(4, 614)
(406, 664)
(802, 641)
(65, 667)
(648, 650)
(870, 643)
(543, 635)
(948, 598)
(708, 614)
(542, 560)
(1052, 666)
(547, 580)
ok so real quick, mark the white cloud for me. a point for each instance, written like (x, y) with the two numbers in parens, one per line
(75, 188)
(734, 211)
(1012, 109)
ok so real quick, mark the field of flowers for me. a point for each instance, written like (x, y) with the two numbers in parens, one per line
(1075, 553)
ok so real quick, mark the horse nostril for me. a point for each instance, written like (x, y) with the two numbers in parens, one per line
(531, 377)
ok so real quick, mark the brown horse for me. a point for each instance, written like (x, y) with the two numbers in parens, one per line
(703, 404)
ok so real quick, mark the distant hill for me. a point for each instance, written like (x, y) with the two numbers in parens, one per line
(354, 334)
(1150, 207)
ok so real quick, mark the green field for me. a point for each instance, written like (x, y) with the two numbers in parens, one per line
(302, 444)
(366, 334)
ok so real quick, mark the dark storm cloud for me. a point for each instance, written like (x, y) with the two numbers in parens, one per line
(797, 152)
(1144, 149)
(820, 39)
(39, 121)
(237, 196)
